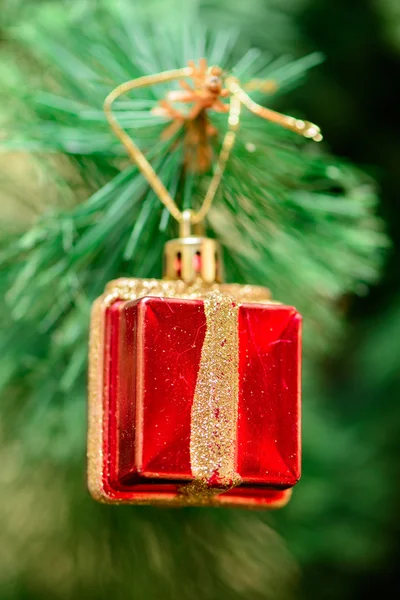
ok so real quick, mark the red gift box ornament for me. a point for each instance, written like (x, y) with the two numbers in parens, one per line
(194, 391)
(194, 388)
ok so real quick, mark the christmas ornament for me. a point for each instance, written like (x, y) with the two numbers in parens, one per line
(194, 383)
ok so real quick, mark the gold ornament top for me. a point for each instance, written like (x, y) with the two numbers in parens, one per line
(133, 289)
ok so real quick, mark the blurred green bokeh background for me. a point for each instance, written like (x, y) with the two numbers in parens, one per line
(341, 532)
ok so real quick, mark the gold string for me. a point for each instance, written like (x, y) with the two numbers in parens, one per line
(143, 164)
(238, 97)
(304, 128)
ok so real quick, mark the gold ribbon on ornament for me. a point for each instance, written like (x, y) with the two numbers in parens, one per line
(214, 415)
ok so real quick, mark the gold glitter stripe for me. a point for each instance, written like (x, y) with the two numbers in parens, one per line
(215, 403)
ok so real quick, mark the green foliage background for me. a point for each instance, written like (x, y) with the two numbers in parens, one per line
(310, 234)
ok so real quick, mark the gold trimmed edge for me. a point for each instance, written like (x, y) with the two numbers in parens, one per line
(95, 405)
(132, 289)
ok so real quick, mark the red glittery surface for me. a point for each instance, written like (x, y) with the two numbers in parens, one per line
(152, 351)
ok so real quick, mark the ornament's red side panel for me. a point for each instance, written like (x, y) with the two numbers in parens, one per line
(169, 346)
(269, 395)
(120, 395)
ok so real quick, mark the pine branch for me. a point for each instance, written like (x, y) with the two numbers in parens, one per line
(288, 216)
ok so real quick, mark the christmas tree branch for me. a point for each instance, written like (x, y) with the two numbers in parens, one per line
(288, 215)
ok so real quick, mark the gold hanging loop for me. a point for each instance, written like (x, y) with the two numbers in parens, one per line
(185, 226)
(237, 97)
(133, 150)
(143, 164)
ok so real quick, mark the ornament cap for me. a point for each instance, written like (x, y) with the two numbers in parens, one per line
(192, 258)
